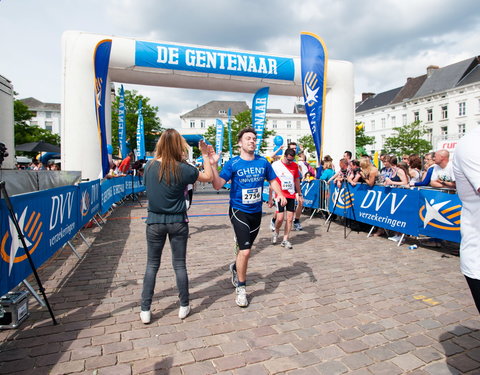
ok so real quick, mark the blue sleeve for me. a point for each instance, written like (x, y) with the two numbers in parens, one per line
(427, 179)
(226, 172)
(269, 172)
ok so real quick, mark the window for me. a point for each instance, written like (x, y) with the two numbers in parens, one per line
(274, 124)
(430, 115)
(299, 124)
(33, 123)
(372, 124)
(394, 121)
(48, 114)
(222, 112)
(429, 135)
(202, 124)
(48, 125)
(404, 119)
(416, 116)
(383, 123)
(192, 123)
(289, 140)
(289, 124)
(461, 108)
(461, 130)
(444, 132)
(444, 112)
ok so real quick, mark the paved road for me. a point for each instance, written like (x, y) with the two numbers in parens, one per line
(328, 306)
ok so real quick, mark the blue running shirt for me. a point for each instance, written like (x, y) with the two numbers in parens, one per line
(247, 178)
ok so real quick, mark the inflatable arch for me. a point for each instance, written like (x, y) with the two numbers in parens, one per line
(184, 66)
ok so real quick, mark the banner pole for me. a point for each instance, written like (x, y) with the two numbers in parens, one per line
(21, 236)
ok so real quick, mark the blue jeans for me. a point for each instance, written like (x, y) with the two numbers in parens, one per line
(156, 238)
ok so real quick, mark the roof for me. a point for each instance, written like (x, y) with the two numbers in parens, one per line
(445, 78)
(36, 105)
(217, 108)
(409, 90)
(378, 100)
(471, 77)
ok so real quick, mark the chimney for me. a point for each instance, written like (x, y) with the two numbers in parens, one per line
(366, 95)
(430, 69)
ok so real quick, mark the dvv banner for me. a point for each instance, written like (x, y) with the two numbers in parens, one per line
(219, 136)
(385, 207)
(216, 61)
(141, 154)
(89, 201)
(122, 124)
(259, 114)
(313, 58)
(101, 58)
(48, 219)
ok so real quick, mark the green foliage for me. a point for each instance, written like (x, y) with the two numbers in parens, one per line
(240, 121)
(362, 140)
(306, 143)
(25, 133)
(408, 140)
(152, 124)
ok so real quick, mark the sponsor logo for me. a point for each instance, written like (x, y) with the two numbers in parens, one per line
(310, 88)
(343, 198)
(31, 226)
(440, 215)
(85, 204)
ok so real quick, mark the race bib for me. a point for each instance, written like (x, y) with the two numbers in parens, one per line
(252, 195)
(287, 185)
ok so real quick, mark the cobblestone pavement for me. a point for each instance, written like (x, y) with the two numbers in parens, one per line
(328, 306)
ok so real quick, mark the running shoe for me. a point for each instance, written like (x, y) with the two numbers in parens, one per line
(183, 311)
(286, 244)
(272, 225)
(241, 299)
(297, 226)
(233, 271)
(395, 238)
(145, 316)
(274, 238)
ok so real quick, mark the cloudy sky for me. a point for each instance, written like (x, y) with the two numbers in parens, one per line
(387, 41)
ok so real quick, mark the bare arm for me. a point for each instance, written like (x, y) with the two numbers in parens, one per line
(277, 189)
(207, 174)
(298, 190)
(217, 181)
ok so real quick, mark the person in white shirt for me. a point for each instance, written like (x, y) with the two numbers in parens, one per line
(466, 167)
(442, 175)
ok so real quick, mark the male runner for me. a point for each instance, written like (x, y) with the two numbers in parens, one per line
(298, 209)
(289, 179)
(247, 173)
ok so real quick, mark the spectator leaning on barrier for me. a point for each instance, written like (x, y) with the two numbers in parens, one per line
(328, 172)
(414, 164)
(386, 170)
(398, 175)
(466, 168)
(368, 173)
(428, 169)
(342, 174)
(442, 174)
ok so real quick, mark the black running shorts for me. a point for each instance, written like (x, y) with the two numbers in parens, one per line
(245, 226)
(290, 206)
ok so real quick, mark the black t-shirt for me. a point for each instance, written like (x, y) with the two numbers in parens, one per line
(166, 203)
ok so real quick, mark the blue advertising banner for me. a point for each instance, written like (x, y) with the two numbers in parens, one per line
(141, 154)
(219, 136)
(311, 193)
(230, 132)
(385, 207)
(313, 58)
(101, 58)
(259, 114)
(217, 61)
(122, 125)
(439, 215)
(89, 201)
(133, 184)
(48, 219)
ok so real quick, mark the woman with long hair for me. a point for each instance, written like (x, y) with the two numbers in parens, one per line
(399, 176)
(166, 178)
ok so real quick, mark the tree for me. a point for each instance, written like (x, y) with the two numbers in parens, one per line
(361, 139)
(306, 143)
(240, 121)
(152, 124)
(25, 133)
(408, 140)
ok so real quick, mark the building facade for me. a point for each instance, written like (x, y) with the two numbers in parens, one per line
(446, 100)
(45, 115)
(290, 126)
